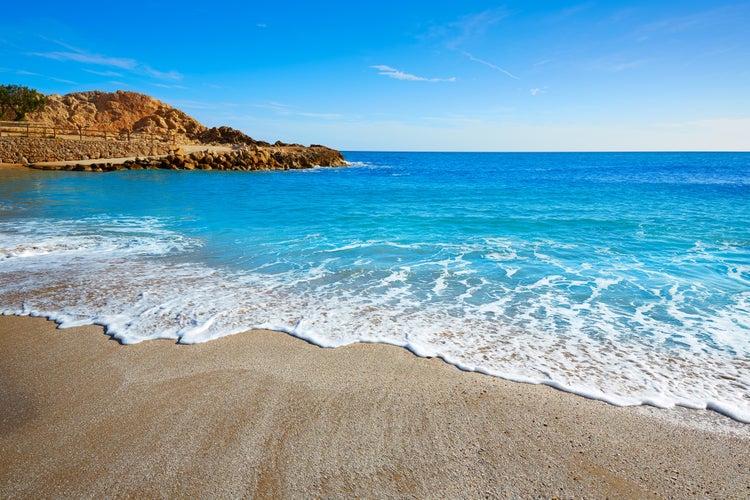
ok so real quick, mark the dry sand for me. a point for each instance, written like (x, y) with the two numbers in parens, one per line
(263, 414)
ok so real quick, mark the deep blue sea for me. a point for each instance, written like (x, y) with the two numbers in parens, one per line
(618, 276)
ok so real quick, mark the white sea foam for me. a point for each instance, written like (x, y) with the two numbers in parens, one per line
(564, 327)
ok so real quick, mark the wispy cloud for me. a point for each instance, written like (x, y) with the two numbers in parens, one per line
(109, 74)
(85, 58)
(275, 106)
(121, 63)
(161, 75)
(537, 91)
(569, 12)
(62, 80)
(289, 110)
(326, 116)
(167, 86)
(490, 65)
(184, 104)
(668, 26)
(624, 66)
(465, 32)
(616, 63)
(719, 16)
(469, 27)
(400, 75)
(53, 78)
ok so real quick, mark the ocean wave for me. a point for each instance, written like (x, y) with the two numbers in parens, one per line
(626, 294)
(656, 345)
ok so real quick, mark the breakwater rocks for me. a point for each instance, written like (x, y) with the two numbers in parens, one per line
(243, 158)
(25, 150)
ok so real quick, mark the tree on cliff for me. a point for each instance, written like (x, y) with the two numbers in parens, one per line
(16, 101)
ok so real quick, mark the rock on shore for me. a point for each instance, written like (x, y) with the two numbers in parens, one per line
(245, 158)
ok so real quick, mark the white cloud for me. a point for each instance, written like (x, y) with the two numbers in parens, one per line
(185, 104)
(61, 80)
(469, 28)
(490, 65)
(624, 66)
(88, 59)
(112, 74)
(614, 63)
(84, 57)
(536, 91)
(162, 75)
(569, 12)
(400, 75)
(166, 86)
(53, 78)
(289, 110)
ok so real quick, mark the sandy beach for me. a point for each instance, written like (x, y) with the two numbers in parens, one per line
(262, 414)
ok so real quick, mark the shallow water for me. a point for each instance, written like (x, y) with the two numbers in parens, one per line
(623, 277)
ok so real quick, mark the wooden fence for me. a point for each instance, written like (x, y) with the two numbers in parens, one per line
(32, 129)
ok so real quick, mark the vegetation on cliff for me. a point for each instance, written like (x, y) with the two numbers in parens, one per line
(16, 101)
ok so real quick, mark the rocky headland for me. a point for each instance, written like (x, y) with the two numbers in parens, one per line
(105, 131)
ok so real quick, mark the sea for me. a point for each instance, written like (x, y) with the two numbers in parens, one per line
(623, 277)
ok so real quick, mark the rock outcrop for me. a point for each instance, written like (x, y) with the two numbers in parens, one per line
(117, 112)
(127, 116)
(227, 135)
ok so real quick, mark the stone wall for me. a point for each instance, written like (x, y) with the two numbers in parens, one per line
(25, 150)
(244, 158)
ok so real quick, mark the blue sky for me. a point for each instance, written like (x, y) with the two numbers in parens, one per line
(420, 75)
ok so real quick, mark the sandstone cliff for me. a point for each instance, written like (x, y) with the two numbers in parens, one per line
(117, 112)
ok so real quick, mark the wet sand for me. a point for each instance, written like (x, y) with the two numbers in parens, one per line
(262, 414)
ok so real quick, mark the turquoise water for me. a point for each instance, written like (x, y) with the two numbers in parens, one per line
(622, 277)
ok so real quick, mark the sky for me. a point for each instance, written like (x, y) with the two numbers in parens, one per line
(410, 75)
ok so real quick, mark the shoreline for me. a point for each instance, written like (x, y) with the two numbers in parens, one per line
(267, 414)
